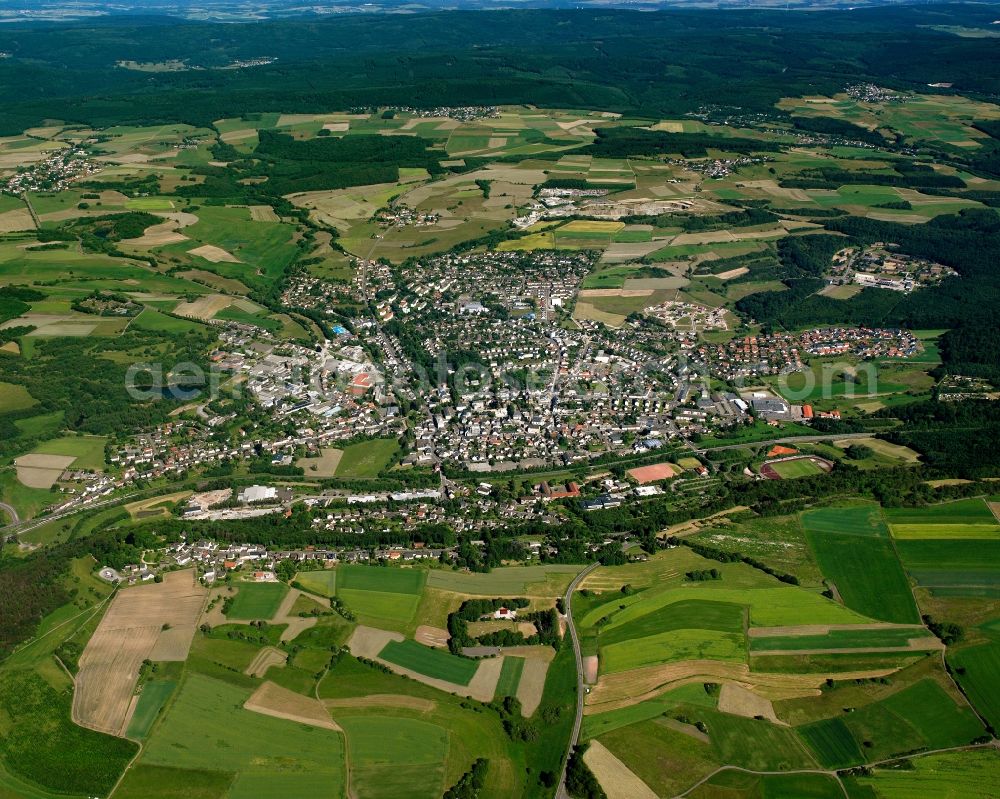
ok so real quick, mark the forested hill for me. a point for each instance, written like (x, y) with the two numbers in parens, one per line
(613, 60)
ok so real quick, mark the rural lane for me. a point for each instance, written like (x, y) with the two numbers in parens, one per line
(11, 512)
(581, 692)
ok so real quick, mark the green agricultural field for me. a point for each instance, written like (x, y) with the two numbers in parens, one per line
(510, 676)
(667, 760)
(753, 743)
(977, 670)
(672, 646)
(367, 459)
(14, 397)
(726, 617)
(396, 757)
(257, 600)
(833, 743)
(962, 567)
(143, 780)
(769, 607)
(383, 597)
(962, 775)
(740, 785)
(839, 639)
(934, 531)
(323, 582)
(963, 511)
(385, 609)
(151, 319)
(541, 581)
(88, 450)
(436, 663)
(206, 728)
(154, 695)
(855, 553)
(372, 578)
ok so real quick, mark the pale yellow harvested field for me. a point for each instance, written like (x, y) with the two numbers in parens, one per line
(337, 127)
(590, 664)
(214, 254)
(652, 284)
(616, 292)
(227, 284)
(129, 633)
(323, 466)
(617, 779)
(280, 703)
(11, 347)
(431, 636)
(296, 624)
(496, 142)
(740, 701)
(263, 213)
(383, 700)
(204, 307)
(265, 659)
(18, 219)
(730, 274)
(238, 135)
(886, 448)
(367, 642)
(41, 471)
(158, 235)
(587, 310)
(624, 689)
(531, 685)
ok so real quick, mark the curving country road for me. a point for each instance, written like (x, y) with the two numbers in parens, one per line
(581, 692)
(11, 512)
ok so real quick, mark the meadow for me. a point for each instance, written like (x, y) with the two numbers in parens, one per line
(855, 553)
(257, 600)
(381, 597)
(323, 582)
(367, 458)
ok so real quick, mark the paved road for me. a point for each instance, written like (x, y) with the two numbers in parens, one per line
(9, 509)
(581, 688)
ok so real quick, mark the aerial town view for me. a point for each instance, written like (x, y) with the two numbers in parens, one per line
(444, 401)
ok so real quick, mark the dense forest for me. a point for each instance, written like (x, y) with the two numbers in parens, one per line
(968, 304)
(614, 60)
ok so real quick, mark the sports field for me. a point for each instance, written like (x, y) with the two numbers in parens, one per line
(796, 467)
(435, 663)
(856, 554)
(257, 600)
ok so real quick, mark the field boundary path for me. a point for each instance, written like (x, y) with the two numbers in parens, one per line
(581, 686)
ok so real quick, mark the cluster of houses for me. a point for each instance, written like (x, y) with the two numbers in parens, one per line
(881, 266)
(54, 173)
